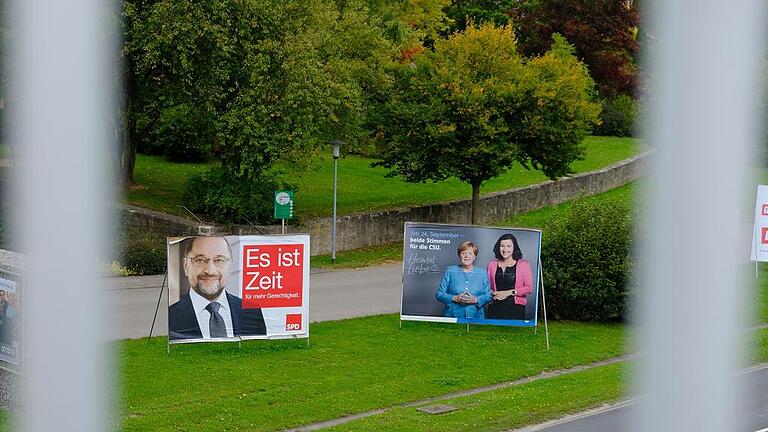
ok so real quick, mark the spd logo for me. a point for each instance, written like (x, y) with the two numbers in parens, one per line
(293, 322)
(764, 235)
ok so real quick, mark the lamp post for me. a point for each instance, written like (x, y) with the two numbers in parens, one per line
(336, 144)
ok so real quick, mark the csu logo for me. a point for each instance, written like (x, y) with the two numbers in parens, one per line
(292, 322)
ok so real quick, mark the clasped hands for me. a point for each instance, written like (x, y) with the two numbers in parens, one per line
(502, 295)
(465, 298)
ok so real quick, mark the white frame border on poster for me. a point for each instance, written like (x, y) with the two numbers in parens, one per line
(539, 283)
(273, 239)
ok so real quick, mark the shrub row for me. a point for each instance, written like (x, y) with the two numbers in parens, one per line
(143, 253)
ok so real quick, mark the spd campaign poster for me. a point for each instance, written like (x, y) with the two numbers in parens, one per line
(470, 274)
(238, 287)
(760, 229)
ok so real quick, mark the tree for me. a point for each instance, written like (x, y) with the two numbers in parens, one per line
(272, 79)
(474, 106)
(464, 12)
(310, 80)
(159, 63)
(409, 21)
(603, 32)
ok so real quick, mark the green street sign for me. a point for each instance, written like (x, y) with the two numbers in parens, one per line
(283, 204)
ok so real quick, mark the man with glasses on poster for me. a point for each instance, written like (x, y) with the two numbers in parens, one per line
(208, 311)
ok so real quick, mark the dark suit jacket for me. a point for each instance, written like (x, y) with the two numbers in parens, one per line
(182, 321)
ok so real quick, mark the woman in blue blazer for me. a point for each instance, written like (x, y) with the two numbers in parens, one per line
(465, 289)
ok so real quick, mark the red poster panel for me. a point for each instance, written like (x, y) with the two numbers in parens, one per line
(273, 275)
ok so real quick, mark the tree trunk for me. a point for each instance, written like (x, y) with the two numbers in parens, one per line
(475, 201)
(129, 156)
(129, 124)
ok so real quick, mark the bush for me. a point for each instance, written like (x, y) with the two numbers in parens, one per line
(618, 117)
(228, 198)
(144, 253)
(186, 133)
(586, 262)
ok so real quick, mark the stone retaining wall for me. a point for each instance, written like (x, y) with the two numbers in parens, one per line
(360, 230)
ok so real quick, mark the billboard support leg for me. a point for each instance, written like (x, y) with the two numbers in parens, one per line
(754, 241)
(157, 308)
(544, 303)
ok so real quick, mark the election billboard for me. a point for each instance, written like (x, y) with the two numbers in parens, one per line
(760, 227)
(10, 318)
(238, 287)
(470, 274)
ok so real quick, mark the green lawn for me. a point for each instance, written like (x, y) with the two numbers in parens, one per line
(762, 293)
(351, 366)
(511, 407)
(361, 188)
(161, 184)
(514, 407)
(364, 189)
(356, 365)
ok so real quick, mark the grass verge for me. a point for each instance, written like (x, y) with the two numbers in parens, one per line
(762, 294)
(359, 258)
(525, 404)
(511, 407)
(360, 188)
(351, 366)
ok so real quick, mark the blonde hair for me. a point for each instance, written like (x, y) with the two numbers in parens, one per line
(467, 245)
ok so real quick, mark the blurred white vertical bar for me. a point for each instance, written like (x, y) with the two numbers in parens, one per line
(60, 110)
(704, 65)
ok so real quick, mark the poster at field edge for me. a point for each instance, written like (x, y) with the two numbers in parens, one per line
(470, 274)
(238, 287)
(760, 228)
(10, 330)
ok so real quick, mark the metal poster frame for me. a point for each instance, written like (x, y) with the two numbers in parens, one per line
(498, 322)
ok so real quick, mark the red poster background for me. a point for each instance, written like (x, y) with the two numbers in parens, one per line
(273, 275)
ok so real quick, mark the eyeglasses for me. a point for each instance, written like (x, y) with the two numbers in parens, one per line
(202, 262)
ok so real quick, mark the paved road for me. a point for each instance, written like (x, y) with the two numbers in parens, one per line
(333, 295)
(754, 417)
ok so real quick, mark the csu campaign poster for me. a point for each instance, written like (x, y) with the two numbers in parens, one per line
(470, 274)
(238, 287)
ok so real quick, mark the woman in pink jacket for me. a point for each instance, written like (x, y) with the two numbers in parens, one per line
(511, 280)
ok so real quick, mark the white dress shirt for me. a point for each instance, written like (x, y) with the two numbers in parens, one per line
(203, 316)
